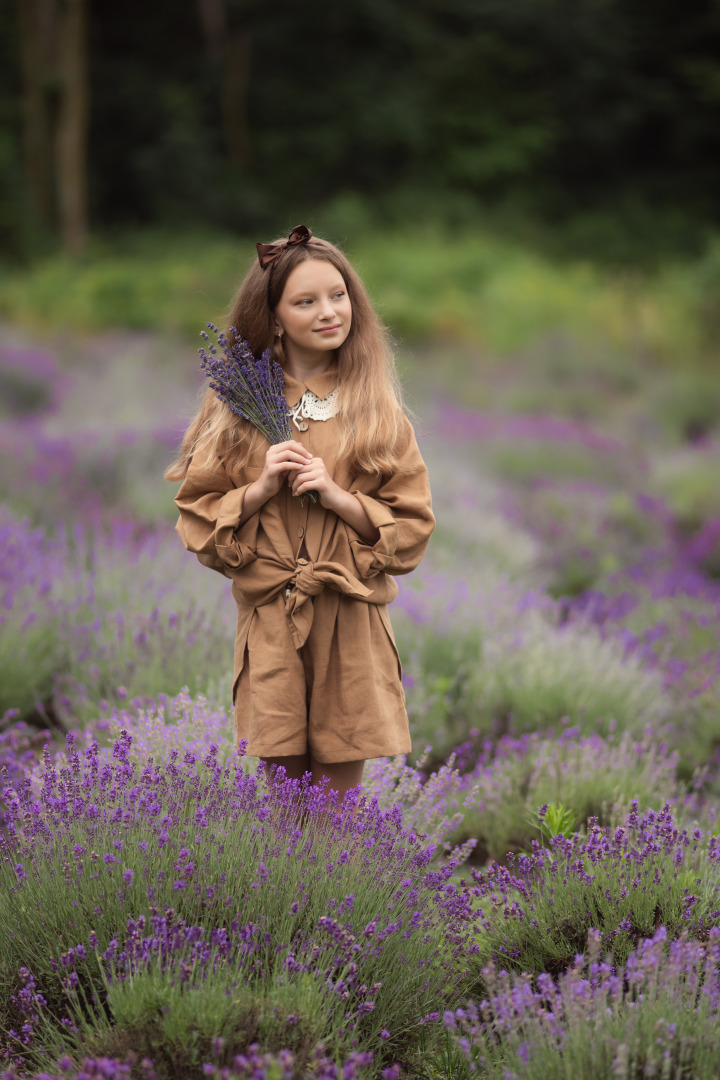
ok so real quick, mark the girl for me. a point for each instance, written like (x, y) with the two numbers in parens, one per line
(317, 679)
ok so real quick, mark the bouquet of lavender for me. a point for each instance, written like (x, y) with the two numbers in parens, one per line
(251, 388)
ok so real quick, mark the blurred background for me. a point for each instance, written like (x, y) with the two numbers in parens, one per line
(530, 191)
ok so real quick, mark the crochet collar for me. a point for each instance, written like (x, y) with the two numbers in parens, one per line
(320, 385)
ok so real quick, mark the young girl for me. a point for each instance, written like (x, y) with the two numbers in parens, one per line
(317, 679)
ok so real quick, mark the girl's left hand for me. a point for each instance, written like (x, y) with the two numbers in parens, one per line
(315, 477)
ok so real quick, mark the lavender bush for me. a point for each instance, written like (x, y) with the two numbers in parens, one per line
(100, 617)
(308, 902)
(254, 1064)
(31, 647)
(656, 1015)
(622, 881)
(503, 658)
(590, 776)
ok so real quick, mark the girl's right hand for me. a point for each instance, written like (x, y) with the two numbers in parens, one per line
(282, 460)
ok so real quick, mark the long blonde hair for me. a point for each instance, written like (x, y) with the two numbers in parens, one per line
(370, 415)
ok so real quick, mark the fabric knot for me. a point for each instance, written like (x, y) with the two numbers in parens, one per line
(309, 580)
(305, 581)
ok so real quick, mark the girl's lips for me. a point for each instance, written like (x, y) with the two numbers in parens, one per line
(327, 329)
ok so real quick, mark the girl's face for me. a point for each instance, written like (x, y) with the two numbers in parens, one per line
(314, 311)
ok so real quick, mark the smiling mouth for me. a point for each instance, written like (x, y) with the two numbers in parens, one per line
(326, 329)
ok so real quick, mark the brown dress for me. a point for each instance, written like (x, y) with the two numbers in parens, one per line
(316, 666)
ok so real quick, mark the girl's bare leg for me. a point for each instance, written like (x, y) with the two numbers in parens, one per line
(295, 766)
(342, 775)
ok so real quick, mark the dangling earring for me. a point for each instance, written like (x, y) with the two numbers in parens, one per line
(279, 334)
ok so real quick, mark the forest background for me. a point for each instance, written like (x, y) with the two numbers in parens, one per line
(597, 115)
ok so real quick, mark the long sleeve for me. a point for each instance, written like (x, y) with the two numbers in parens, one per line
(401, 509)
(210, 508)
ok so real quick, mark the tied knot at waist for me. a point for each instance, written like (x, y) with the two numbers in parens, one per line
(308, 580)
(267, 577)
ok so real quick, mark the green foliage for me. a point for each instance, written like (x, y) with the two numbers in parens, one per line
(578, 778)
(623, 898)
(162, 282)
(686, 404)
(555, 105)
(556, 820)
(428, 282)
(533, 674)
(688, 480)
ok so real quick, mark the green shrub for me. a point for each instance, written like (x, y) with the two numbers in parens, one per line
(623, 882)
(688, 480)
(532, 673)
(589, 776)
(656, 1016)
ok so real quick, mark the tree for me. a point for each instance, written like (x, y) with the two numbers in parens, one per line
(55, 99)
(72, 125)
(228, 46)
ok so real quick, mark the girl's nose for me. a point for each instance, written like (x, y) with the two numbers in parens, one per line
(327, 311)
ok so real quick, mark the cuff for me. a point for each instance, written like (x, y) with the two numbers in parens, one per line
(235, 546)
(371, 559)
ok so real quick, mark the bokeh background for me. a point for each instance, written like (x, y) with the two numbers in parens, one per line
(529, 191)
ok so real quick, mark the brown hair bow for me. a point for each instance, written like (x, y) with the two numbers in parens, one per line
(268, 253)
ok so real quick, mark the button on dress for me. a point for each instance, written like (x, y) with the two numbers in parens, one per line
(316, 666)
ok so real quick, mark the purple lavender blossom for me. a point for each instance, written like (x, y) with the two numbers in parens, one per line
(252, 389)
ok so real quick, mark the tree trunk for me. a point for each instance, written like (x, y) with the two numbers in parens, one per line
(72, 125)
(230, 50)
(36, 20)
(236, 79)
(213, 19)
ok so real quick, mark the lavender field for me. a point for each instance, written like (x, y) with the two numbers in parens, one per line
(534, 893)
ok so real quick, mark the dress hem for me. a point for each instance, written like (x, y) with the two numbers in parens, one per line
(337, 757)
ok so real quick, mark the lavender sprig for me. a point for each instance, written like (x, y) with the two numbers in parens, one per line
(251, 388)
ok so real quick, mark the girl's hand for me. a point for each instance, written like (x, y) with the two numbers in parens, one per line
(314, 476)
(281, 460)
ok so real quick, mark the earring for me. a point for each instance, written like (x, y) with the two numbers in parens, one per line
(278, 333)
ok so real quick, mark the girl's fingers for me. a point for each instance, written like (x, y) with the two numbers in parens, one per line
(301, 482)
(296, 447)
(297, 482)
(289, 455)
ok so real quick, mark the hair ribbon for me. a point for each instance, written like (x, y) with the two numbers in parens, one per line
(268, 253)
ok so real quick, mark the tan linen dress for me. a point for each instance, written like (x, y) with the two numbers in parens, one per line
(316, 666)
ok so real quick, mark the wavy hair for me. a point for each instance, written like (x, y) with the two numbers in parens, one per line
(370, 413)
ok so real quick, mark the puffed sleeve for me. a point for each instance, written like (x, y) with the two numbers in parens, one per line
(210, 507)
(400, 508)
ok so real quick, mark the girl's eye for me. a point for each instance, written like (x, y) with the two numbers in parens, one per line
(338, 295)
(301, 303)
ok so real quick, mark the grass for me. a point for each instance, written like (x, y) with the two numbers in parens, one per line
(428, 282)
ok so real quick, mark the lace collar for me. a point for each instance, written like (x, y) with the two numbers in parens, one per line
(311, 407)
